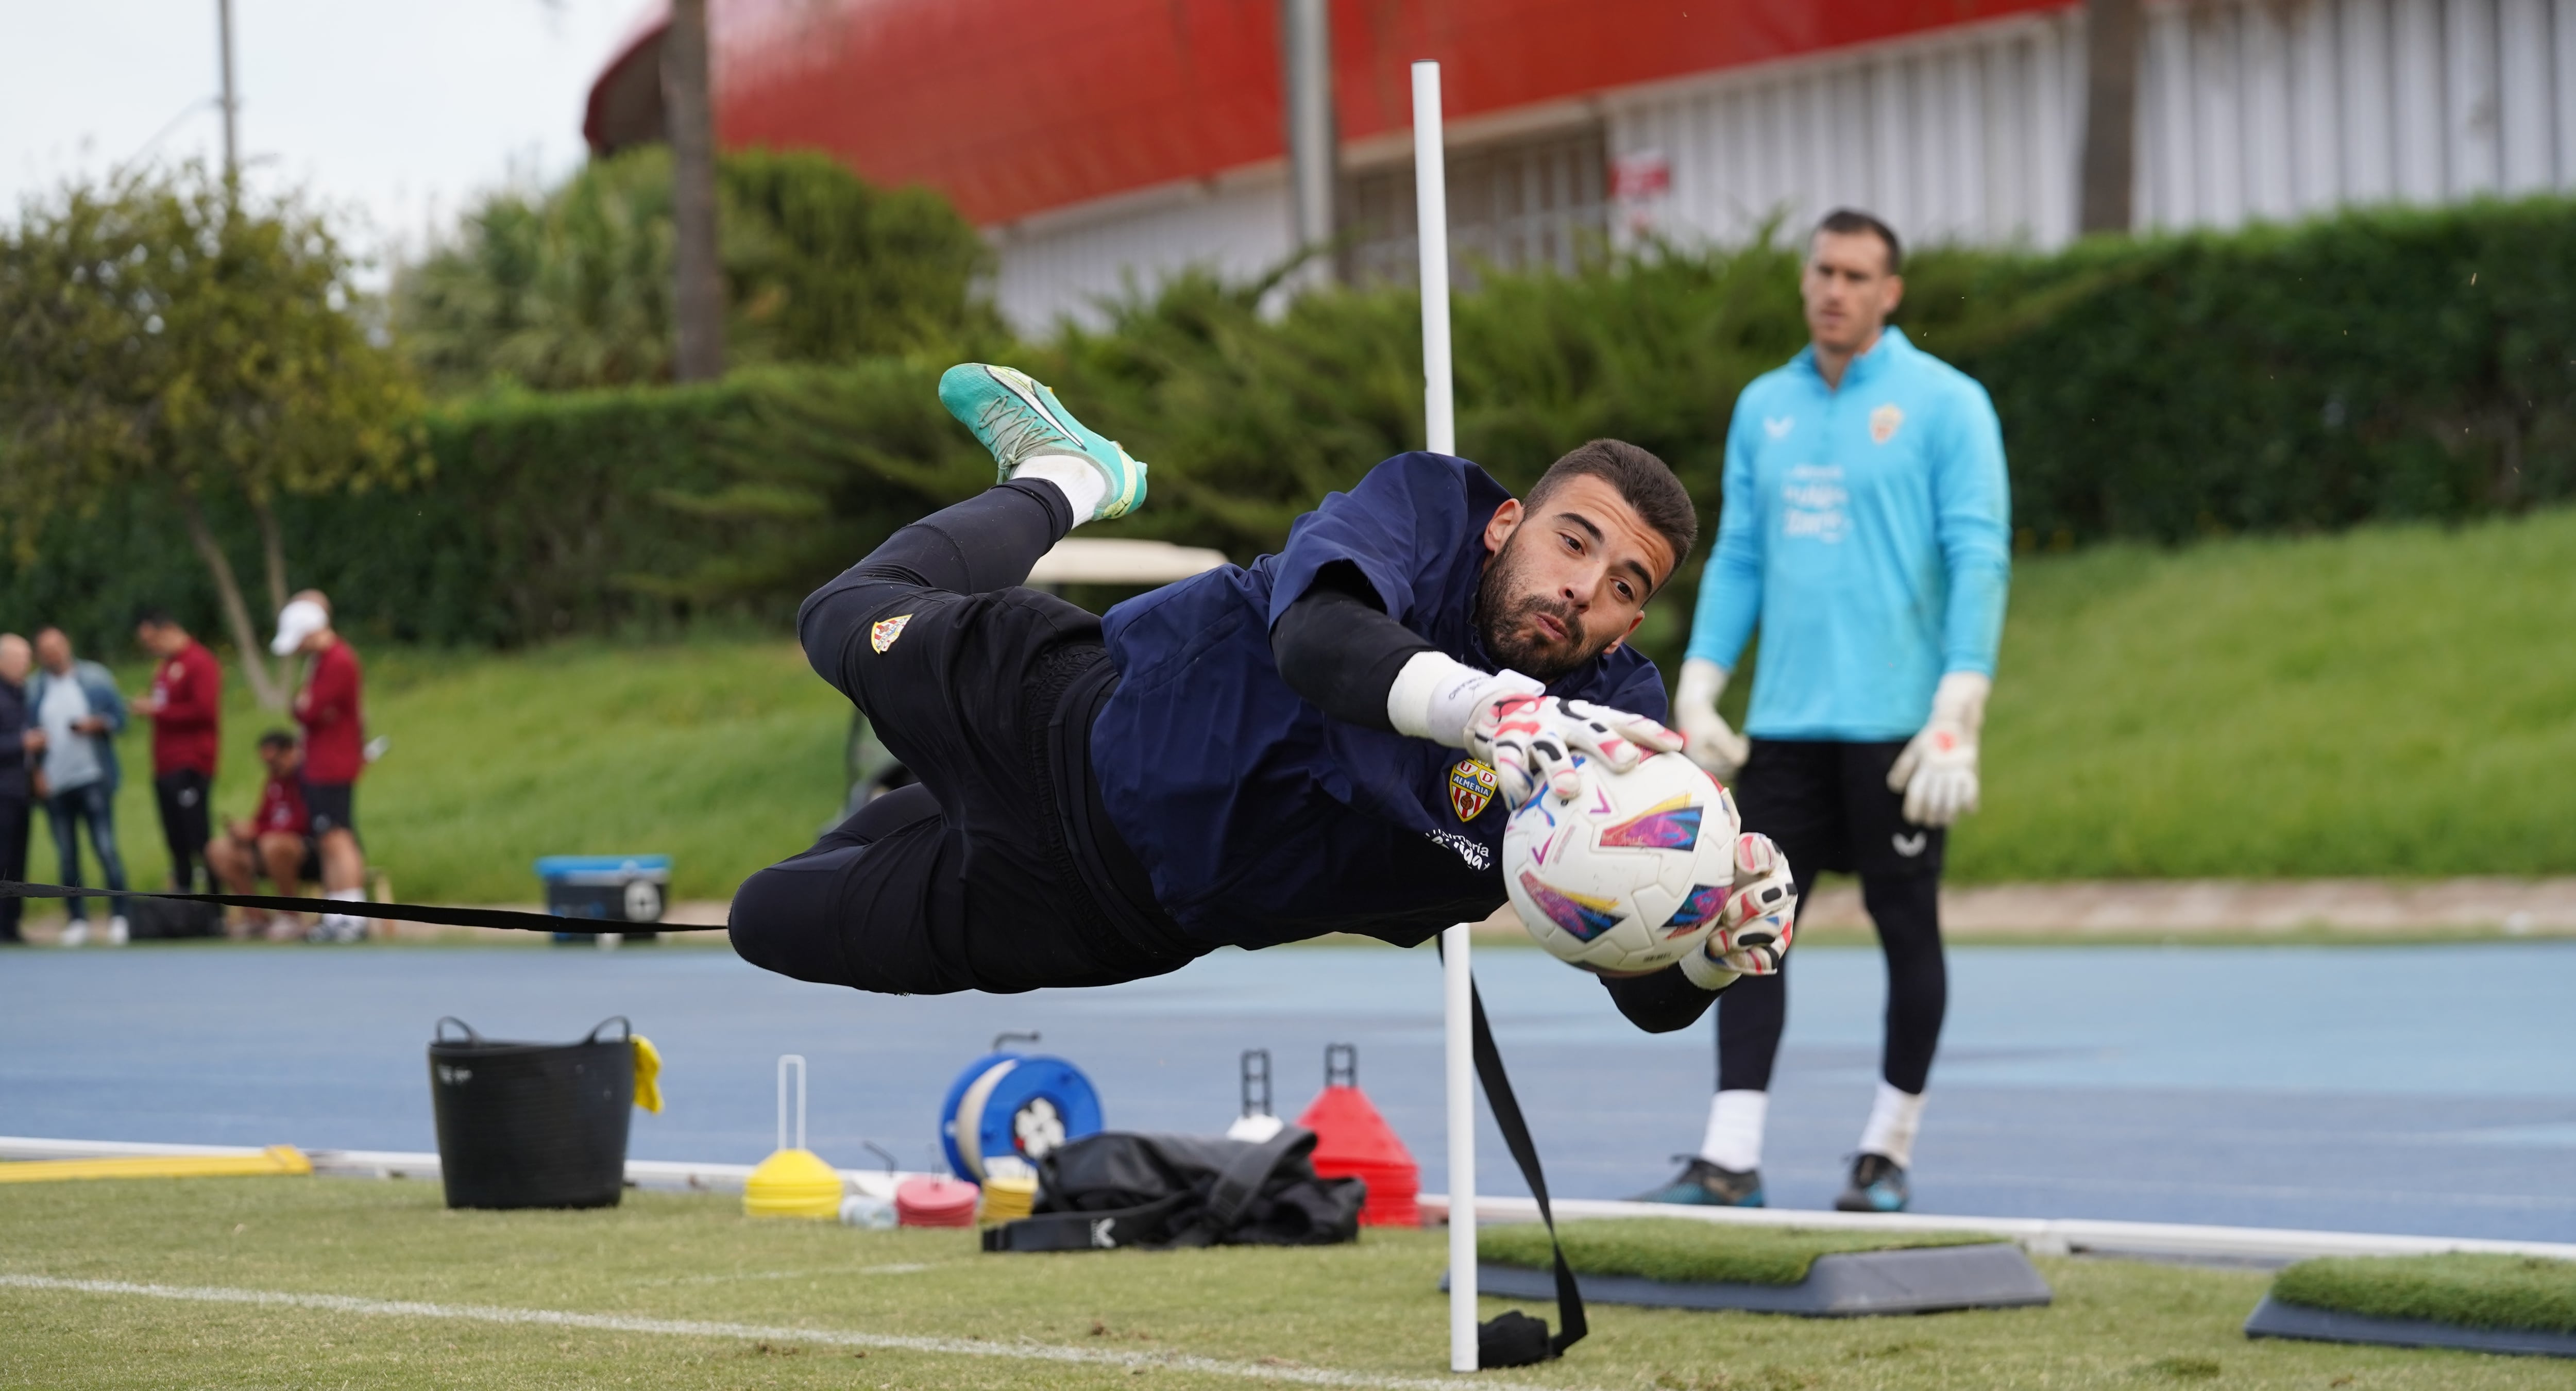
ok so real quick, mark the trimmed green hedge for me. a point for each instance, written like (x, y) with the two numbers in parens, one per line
(2387, 364)
(2522, 1293)
(1688, 1252)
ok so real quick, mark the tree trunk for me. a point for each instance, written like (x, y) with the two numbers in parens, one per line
(254, 653)
(698, 302)
(2110, 115)
(272, 552)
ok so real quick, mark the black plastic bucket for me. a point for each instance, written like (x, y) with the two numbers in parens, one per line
(532, 1124)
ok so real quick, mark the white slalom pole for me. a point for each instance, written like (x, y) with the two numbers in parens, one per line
(1440, 430)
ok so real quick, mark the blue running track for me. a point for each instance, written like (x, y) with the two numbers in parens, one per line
(2425, 1089)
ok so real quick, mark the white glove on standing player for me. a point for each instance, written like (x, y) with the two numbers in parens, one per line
(1504, 718)
(1938, 770)
(1713, 743)
(1753, 930)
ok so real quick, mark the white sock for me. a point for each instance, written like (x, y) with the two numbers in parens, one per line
(1893, 1119)
(1079, 480)
(1734, 1139)
(343, 920)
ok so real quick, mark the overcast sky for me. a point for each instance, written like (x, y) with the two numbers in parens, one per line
(394, 112)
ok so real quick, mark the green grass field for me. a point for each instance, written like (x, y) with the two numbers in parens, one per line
(328, 1255)
(2379, 702)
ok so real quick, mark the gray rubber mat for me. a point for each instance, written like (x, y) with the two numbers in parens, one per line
(2274, 1319)
(1847, 1284)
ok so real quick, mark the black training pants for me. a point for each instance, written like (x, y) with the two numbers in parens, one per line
(1826, 804)
(997, 871)
(184, 826)
(14, 817)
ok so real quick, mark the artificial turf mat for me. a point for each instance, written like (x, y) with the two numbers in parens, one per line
(1365, 1312)
(1682, 1251)
(2524, 1293)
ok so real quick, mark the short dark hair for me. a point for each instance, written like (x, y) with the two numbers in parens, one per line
(1643, 481)
(154, 616)
(277, 739)
(1848, 222)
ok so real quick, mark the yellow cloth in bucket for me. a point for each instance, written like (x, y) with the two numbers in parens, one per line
(1008, 1198)
(793, 1183)
(648, 1073)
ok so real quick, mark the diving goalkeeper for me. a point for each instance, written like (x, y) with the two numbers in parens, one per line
(1314, 743)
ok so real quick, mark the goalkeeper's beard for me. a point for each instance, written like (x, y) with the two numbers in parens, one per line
(1506, 618)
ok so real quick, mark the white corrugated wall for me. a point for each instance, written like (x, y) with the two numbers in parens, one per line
(1969, 135)
(2246, 109)
(2275, 110)
(1063, 264)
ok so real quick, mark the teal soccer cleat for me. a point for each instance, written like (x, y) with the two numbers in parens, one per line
(1016, 417)
(1877, 1185)
(1702, 1184)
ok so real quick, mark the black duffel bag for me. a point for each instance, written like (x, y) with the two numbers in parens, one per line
(532, 1124)
(1116, 1189)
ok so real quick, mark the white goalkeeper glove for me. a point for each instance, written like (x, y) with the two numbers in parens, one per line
(1753, 929)
(1504, 718)
(1531, 741)
(1712, 743)
(1938, 770)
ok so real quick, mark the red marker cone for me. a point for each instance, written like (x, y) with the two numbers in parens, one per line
(1353, 1141)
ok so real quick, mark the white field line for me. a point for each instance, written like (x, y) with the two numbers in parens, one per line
(698, 1328)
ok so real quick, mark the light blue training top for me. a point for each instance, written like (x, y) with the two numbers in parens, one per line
(1869, 529)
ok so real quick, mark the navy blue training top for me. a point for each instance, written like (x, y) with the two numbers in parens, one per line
(1263, 820)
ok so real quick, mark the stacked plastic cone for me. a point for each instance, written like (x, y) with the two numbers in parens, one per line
(1353, 1141)
(935, 1202)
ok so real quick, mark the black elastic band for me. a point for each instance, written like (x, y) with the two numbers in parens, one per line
(1571, 1323)
(510, 919)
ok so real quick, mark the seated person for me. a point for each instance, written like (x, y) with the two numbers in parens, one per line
(277, 841)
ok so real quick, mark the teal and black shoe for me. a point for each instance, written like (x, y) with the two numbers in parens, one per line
(1877, 1185)
(1015, 416)
(1702, 1184)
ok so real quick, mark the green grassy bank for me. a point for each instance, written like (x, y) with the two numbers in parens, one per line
(723, 754)
(1369, 1314)
(2390, 701)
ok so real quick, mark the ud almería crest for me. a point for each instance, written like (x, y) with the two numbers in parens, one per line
(1883, 423)
(881, 635)
(1471, 788)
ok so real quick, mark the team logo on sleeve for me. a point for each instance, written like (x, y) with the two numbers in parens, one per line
(882, 635)
(1883, 423)
(1471, 788)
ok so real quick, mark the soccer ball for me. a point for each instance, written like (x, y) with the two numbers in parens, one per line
(1631, 874)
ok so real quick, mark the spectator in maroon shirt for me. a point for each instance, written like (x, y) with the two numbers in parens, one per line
(185, 706)
(276, 841)
(335, 742)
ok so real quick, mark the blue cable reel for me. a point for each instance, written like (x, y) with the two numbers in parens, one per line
(1007, 1111)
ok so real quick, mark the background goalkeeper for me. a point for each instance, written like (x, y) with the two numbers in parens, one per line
(1866, 529)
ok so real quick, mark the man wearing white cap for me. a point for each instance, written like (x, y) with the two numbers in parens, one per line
(335, 739)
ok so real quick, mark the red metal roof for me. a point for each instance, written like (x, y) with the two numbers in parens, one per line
(1013, 107)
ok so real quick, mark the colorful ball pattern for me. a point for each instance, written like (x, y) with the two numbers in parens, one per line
(1632, 873)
